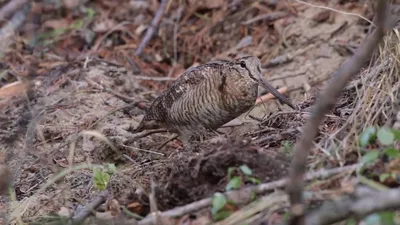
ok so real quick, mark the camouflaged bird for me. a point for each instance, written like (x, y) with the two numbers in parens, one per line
(206, 97)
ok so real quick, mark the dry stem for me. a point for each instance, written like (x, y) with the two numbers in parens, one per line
(327, 100)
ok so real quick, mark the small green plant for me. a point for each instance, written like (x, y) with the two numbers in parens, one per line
(219, 203)
(367, 136)
(287, 148)
(244, 175)
(101, 176)
(387, 218)
(386, 138)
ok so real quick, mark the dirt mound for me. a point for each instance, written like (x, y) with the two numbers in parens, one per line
(191, 176)
(91, 94)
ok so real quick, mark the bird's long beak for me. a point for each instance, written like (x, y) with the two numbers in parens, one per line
(275, 92)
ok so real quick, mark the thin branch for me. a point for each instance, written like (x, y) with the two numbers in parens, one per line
(151, 30)
(15, 22)
(335, 10)
(325, 103)
(7, 10)
(155, 78)
(81, 216)
(144, 134)
(267, 17)
(5, 178)
(337, 211)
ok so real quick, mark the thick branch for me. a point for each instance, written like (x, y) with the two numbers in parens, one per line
(81, 216)
(7, 10)
(325, 103)
(349, 207)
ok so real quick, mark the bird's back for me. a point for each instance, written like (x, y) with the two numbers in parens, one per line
(207, 96)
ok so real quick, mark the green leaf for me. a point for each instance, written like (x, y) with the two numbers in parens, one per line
(367, 136)
(370, 156)
(221, 215)
(372, 219)
(254, 180)
(90, 12)
(234, 183)
(351, 221)
(396, 134)
(253, 196)
(385, 136)
(392, 153)
(286, 216)
(287, 147)
(246, 170)
(77, 24)
(100, 178)
(387, 218)
(218, 202)
(112, 168)
(383, 176)
(230, 171)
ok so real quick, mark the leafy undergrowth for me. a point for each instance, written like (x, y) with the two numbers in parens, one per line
(66, 142)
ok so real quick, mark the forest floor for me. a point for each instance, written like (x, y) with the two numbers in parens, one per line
(77, 80)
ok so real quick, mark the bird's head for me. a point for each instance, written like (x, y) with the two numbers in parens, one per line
(250, 68)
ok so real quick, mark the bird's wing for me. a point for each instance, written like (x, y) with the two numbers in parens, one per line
(190, 79)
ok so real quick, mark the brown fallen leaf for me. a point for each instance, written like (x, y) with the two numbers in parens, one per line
(322, 16)
(136, 207)
(70, 4)
(56, 24)
(17, 88)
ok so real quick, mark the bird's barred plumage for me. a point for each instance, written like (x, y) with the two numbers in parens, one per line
(206, 97)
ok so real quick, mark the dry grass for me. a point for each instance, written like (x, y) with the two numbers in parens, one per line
(369, 101)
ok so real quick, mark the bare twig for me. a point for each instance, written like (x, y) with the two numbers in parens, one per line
(327, 100)
(102, 38)
(154, 78)
(5, 179)
(175, 136)
(268, 17)
(335, 10)
(145, 134)
(142, 150)
(260, 189)
(10, 8)
(358, 208)
(130, 105)
(81, 216)
(9, 29)
(150, 31)
(176, 26)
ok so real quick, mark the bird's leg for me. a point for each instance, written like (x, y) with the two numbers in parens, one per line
(144, 134)
(184, 138)
(175, 136)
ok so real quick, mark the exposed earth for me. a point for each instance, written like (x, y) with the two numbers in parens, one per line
(84, 91)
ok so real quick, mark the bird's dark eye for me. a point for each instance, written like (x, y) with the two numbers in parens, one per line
(242, 64)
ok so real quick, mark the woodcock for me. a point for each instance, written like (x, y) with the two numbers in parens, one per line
(206, 97)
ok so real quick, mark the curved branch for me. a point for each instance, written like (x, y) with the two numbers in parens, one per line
(325, 103)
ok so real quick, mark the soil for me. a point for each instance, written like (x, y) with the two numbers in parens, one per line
(38, 130)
